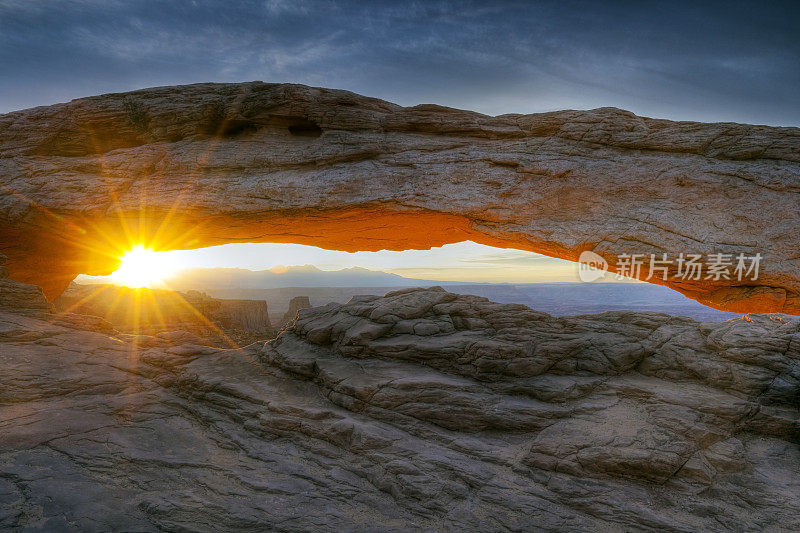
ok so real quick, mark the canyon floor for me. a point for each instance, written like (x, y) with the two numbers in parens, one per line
(418, 410)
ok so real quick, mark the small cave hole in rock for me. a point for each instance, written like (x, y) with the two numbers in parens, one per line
(305, 128)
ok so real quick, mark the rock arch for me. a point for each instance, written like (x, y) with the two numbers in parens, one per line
(207, 164)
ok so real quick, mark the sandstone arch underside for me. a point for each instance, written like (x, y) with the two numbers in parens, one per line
(207, 164)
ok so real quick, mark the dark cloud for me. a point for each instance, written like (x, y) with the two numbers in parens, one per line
(709, 61)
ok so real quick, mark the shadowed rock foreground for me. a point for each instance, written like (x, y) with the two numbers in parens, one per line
(418, 410)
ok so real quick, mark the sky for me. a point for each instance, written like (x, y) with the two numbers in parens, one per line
(709, 61)
(464, 261)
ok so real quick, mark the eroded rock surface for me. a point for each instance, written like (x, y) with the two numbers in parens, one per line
(420, 410)
(21, 297)
(206, 164)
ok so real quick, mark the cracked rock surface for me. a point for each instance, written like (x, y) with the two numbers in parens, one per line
(419, 410)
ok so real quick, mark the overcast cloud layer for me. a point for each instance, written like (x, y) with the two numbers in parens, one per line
(726, 61)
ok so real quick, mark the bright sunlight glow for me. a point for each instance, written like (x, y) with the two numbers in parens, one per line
(142, 267)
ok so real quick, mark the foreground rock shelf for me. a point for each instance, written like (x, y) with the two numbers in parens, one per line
(421, 409)
(206, 164)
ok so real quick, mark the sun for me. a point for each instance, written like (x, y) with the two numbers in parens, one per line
(142, 267)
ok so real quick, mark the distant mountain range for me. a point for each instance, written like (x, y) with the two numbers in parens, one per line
(278, 285)
(294, 276)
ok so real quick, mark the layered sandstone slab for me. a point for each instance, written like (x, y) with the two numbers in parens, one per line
(420, 410)
(199, 165)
